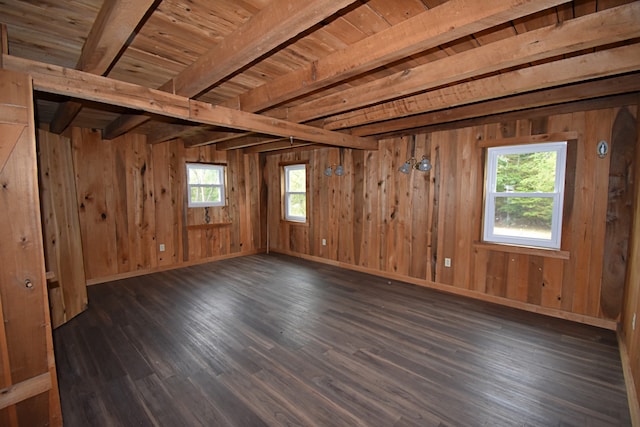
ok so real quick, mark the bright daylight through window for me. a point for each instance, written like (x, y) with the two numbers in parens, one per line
(295, 193)
(205, 185)
(524, 194)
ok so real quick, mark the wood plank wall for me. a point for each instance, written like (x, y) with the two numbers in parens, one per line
(630, 328)
(404, 226)
(61, 229)
(131, 198)
(28, 383)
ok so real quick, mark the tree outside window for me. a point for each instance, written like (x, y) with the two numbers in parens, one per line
(205, 185)
(525, 192)
(295, 194)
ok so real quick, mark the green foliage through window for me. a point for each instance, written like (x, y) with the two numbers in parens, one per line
(295, 194)
(525, 191)
(205, 184)
(526, 173)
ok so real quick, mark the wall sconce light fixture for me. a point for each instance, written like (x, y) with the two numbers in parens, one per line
(423, 165)
(339, 171)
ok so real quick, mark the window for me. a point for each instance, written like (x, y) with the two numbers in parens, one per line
(295, 193)
(205, 185)
(524, 194)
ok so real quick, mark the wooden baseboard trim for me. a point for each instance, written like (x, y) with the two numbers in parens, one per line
(632, 395)
(552, 312)
(130, 274)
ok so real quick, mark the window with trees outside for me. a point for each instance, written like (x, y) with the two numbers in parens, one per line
(205, 185)
(525, 194)
(295, 193)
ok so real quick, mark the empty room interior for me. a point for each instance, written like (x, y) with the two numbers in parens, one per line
(319, 213)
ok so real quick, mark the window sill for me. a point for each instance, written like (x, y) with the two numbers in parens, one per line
(548, 253)
(299, 223)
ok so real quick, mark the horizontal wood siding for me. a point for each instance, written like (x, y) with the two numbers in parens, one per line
(378, 219)
(131, 198)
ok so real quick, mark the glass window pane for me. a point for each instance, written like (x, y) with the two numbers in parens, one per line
(533, 172)
(529, 217)
(205, 185)
(297, 180)
(195, 194)
(205, 174)
(211, 176)
(211, 194)
(205, 194)
(297, 205)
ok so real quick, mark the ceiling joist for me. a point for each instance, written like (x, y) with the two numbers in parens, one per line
(212, 137)
(612, 25)
(566, 71)
(441, 24)
(430, 29)
(559, 95)
(277, 23)
(78, 84)
(111, 30)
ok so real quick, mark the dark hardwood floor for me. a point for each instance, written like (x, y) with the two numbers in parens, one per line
(270, 340)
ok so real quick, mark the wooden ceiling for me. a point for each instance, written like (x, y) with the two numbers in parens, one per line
(259, 74)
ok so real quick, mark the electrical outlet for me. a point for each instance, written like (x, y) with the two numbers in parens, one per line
(633, 322)
(161, 247)
(447, 262)
(324, 242)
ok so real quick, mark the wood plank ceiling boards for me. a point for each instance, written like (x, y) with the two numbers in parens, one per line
(344, 66)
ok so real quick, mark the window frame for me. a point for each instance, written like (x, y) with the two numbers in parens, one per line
(222, 171)
(286, 193)
(557, 196)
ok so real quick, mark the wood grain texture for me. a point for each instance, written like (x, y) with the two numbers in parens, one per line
(624, 136)
(122, 225)
(530, 47)
(26, 348)
(61, 228)
(389, 215)
(630, 336)
(424, 31)
(547, 75)
(273, 340)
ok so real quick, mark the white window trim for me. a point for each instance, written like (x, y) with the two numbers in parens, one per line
(221, 169)
(557, 195)
(287, 215)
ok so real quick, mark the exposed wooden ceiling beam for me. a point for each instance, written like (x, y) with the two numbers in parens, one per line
(526, 113)
(612, 25)
(277, 23)
(166, 131)
(193, 135)
(432, 28)
(222, 116)
(64, 115)
(276, 146)
(436, 26)
(123, 124)
(78, 84)
(116, 21)
(212, 137)
(245, 142)
(575, 92)
(602, 63)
